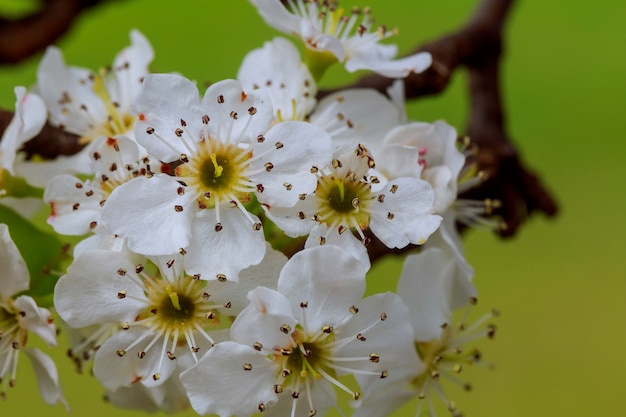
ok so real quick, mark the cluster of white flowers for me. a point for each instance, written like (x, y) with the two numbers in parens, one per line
(178, 293)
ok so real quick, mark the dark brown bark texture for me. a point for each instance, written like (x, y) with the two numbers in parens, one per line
(477, 47)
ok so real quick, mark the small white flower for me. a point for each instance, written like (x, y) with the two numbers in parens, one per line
(335, 35)
(228, 154)
(290, 346)
(18, 317)
(161, 313)
(92, 104)
(349, 197)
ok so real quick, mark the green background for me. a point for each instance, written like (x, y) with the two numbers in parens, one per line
(560, 284)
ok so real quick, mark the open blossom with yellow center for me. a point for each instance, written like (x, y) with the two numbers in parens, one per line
(96, 104)
(350, 197)
(20, 317)
(162, 313)
(331, 34)
(227, 151)
(291, 347)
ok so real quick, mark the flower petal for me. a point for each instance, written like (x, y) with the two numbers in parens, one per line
(15, 277)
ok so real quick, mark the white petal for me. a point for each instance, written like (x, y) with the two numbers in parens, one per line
(165, 100)
(38, 173)
(328, 279)
(444, 185)
(114, 371)
(47, 377)
(277, 16)
(15, 277)
(30, 116)
(289, 220)
(398, 68)
(74, 204)
(264, 274)
(356, 116)
(235, 247)
(262, 319)
(396, 160)
(236, 115)
(406, 215)
(148, 212)
(347, 241)
(119, 152)
(293, 149)
(131, 66)
(220, 385)
(88, 293)
(278, 69)
(36, 319)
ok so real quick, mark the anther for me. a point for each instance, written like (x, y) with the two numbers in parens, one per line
(260, 188)
(252, 111)
(228, 304)
(233, 115)
(121, 294)
(139, 268)
(220, 99)
(390, 215)
(321, 240)
(182, 251)
(121, 352)
(304, 304)
(287, 186)
(360, 337)
(170, 356)
(260, 138)
(247, 367)
(178, 209)
(125, 326)
(183, 123)
(206, 119)
(221, 277)
(383, 316)
(353, 310)
(257, 346)
(169, 263)
(394, 188)
(327, 329)
(156, 376)
(257, 226)
(269, 166)
(384, 374)
(178, 132)
(121, 272)
(279, 145)
(261, 407)
(312, 412)
(141, 354)
(218, 227)
(374, 358)
(285, 328)
(92, 225)
(75, 206)
(278, 389)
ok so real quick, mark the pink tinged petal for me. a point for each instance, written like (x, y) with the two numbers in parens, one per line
(47, 377)
(321, 236)
(398, 68)
(151, 214)
(75, 205)
(405, 215)
(329, 280)
(30, 116)
(356, 116)
(264, 274)
(266, 322)
(222, 252)
(36, 319)
(15, 277)
(114, 371)
(165, 100)
(279, 70)
(292, 148)
(231, 380)
(99, 287)
(236, 115)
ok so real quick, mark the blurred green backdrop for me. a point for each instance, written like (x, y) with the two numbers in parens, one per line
(560, 284)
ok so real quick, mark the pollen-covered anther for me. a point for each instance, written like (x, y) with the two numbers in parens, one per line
(269, 166)
(321, 240)
(337, 163)
(156, 376)
(178, 208)
(390, 215)
(278, 389)
(261, 407)
(221, 277)
(295, 395)
(356, 395)
(121, 352)
(383, 316)
(434, 375)
(234, 115)
(302, 197)
(252, 111)
(314, 169)
(394, 188)
(360, 337)
(287, 186)
(301, 215)
(93, 225)
(279, 145)
(169, 263)
(141, 354)
(312, 412)
(171, 356)
(182, 251)
(218, 227)
(353, 309)
(260, 139)
(183, 158)
(260, 188)
(327, 329)
(374, 357)
(179, 132)
(257, 346)
(125, 326)
(220, 99)
(457, 368)
(228, 304)
(247, 367)
(285, 328)
(384, 374)
(257, 226)
(121, 294)
(75, 206)
(138, 268)
(121, 272)
(285, 352)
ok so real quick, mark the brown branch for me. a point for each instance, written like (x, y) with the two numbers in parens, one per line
(23, 37)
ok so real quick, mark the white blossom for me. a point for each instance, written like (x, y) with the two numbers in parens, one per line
(290, 346)
(18, 317)
(334, 35)
(229, 153)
